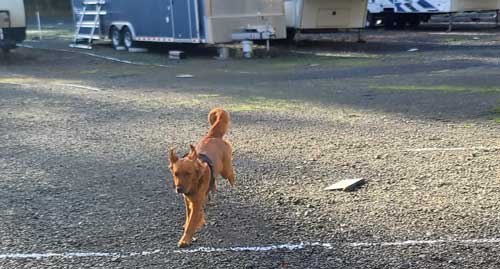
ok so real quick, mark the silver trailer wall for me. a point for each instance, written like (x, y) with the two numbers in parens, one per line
(325, 14)
(473, 5)
(225, 18)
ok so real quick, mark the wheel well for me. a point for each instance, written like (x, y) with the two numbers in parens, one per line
(111, 30)
(126, 28)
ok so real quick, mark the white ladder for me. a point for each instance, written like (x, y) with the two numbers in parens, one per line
(89, 21)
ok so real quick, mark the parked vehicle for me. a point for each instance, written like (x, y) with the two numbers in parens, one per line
(12, 24)
(410, 13)
(324, 15)
(126, 22)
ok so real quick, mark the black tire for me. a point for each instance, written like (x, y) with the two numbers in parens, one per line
(389, 20)
(414, 21)
(401, 22)
(128, 38)
(116, 37)
(5, 50)
(371, 21)
(290, 35)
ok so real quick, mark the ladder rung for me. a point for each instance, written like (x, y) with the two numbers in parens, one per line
(83, 36)
(92, 12)
(89, 24)
(81, 46)
(101, 2)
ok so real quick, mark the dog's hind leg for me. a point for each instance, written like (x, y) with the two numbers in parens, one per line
(227, 171)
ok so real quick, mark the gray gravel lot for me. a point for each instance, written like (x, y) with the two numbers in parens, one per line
(84, 170)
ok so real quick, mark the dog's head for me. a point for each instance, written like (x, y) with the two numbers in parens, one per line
(186, 171)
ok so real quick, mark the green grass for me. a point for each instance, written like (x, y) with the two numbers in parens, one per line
(495, 111)
(261, 103)
(52, 33)
(207, 96)
(441, 88)
(284, 63)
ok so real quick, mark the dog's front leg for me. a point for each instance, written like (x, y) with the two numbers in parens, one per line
(187, 203)
(194, 220)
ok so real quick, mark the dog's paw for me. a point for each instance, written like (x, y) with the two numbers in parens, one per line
(184, 244)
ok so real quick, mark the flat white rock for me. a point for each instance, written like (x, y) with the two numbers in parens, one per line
(346, 184)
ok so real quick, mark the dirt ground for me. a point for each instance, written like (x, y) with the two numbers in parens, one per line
(84, 139)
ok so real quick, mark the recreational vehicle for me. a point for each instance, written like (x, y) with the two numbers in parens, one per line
(12, 24)
(126, 22)
(402, 13)
(324, 15)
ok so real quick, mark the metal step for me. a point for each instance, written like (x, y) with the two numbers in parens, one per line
(81, 46)
(85, 22)
(84, 36)
(89, 24)
(92, 12)
(101, 2)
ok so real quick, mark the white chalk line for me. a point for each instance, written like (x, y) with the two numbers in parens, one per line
(449, 149)
(290, 247)
(428, 242)
(78, 86)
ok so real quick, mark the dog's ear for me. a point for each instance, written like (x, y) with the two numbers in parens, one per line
(172, 157)
(193, 155)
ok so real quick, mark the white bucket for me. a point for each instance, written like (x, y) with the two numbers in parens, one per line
(247, 48)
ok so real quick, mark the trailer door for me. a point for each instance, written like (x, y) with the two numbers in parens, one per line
(184, 19)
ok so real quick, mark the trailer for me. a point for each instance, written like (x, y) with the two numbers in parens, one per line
(324, 15)
(12, 24)
(410, 13)
(126, 22)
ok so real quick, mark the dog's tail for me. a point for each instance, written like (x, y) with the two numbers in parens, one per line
(219, 121)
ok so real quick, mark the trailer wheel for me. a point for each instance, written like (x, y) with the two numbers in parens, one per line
(401, 22)
(389, 20)
(290, 35)
(371, 20)
(116, 37)
(414, 21)
(128, 39)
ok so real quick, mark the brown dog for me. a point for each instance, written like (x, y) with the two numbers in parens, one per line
(194, 174)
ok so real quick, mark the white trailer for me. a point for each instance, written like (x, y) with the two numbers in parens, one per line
(324, 15)
(12, 24)
(403, 13)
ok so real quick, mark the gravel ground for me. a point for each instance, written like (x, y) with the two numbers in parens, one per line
(84, 169)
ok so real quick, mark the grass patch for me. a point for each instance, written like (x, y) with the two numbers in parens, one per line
(262, 103)
(495, 111)
(207, 96)
(304, 61)
(17, 80)
(33, 81)
(441, 88)
(52, 33)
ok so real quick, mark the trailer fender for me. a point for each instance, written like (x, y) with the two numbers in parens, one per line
(120, 25)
